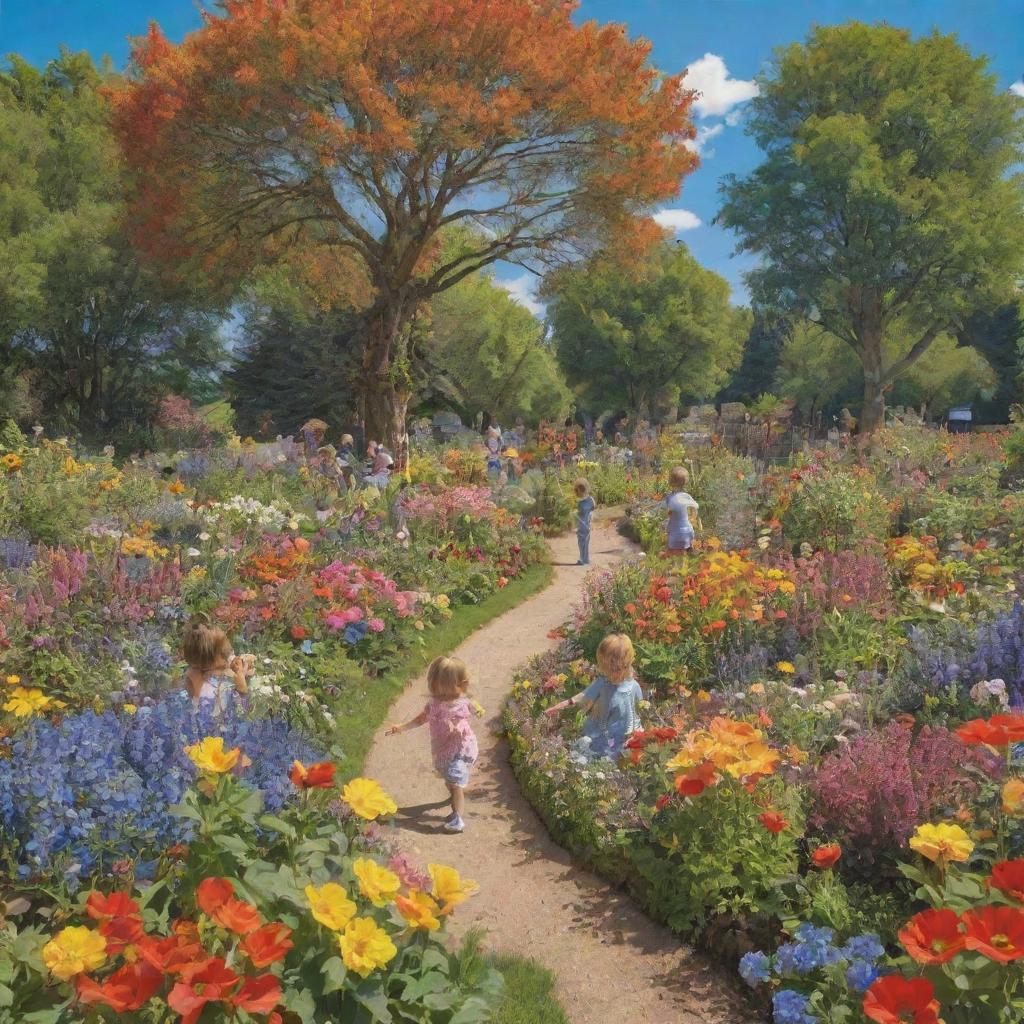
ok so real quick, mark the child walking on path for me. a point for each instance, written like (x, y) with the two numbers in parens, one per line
(585, 506)
(452, 740)
(612, 701)
(678, 505)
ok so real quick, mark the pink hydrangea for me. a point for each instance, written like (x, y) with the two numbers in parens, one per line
(376, 625)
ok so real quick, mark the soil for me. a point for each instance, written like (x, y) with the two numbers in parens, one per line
(612, 963)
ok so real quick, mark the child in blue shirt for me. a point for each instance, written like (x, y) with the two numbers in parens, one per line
(585, 506)
(612, 701)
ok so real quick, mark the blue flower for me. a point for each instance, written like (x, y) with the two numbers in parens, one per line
(860, 975)
(807, 932)
(863, 947)
(755, 968)
(789, 1007)
(355, 632)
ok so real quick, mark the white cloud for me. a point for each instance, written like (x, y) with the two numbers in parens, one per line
(718, 92)
(704, 133)
(522, 290)
(678, 220)
(1017, 89)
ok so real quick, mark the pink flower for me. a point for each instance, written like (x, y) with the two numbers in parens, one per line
(334, 621)
(376, 625)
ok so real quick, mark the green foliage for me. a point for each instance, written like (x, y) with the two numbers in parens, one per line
(835, 510)
(862, 127)
(529, 993)
(621, 336)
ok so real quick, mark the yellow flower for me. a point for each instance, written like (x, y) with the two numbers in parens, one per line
(74, 951)
(177, 487)
(757, 688)
(330, 905)
(12, 680)
(71, 467)
(377, 884)
(130, 709)
(419, 910)
(1013, 798)
(210, 757)
(942, 843)
(703, 696)
(365, 946)
(786, 667)
(25, 702)
(11, 462)
(442, 601)
(449, 889)
(796, 755)
(367, 799)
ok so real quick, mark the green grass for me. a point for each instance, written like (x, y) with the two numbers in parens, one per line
(356, 732)
(528, 993)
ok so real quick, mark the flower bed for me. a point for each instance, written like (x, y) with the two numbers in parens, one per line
(825, 786)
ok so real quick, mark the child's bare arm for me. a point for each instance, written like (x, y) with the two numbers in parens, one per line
(576, 698)
(413, 723)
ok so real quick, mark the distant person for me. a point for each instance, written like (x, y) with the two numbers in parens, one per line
(678, 505)
(585, 506)
(380, 469)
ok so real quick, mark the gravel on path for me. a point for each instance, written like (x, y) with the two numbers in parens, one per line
(612, 963)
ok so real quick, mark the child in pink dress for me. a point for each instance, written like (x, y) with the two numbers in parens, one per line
(452, 740)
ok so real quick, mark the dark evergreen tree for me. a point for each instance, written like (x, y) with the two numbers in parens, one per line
(998, 335)
(761, 353)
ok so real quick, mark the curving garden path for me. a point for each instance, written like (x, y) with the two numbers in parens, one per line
(612, 963)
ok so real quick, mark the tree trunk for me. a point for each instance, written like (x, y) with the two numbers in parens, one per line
(872, 414)
(385, 382)
(386, 409)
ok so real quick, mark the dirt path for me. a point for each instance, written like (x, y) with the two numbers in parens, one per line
(612, 963)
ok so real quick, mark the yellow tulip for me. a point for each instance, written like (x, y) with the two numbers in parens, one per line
(377, 884)
(419, 910)
(330, 905)
(365, 946)
(210, 757)
(74, 951)
(449, 889)
(367, 799)
(942, 843)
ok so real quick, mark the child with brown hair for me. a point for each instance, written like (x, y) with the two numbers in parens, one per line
(585, 506)
(678, 505)
(452, 740)
(214, 673)
(611, 700)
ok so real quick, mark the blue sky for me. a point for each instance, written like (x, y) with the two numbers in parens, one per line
(724, 43)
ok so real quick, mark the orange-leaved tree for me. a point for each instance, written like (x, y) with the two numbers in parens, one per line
(366, 128)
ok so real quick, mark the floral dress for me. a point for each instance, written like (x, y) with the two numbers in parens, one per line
(453, 743)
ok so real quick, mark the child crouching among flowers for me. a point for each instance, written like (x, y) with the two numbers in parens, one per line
(612, 700)
(452, 740)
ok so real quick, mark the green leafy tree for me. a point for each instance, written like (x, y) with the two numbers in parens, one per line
(77, 313)
(998, 334)
(815, 369)
(493, 351)
(885, 191)
(761, 353)
(623, 335)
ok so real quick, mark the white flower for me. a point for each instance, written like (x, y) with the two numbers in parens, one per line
(204, 536)
(193, 552)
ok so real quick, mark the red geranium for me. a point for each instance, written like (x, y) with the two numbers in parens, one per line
(1008, 877)
(129, 988)
(268, 945)
(316, 776)
(995, 932)
(773, 821)
(933, 936)
(979, 732)
(825, 857)
(895, 1000)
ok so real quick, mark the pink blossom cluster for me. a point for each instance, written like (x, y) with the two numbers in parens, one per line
(443, 508)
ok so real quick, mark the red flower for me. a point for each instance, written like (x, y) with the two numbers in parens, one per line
(174, 954)
(895, 1000)
(995, 932)
(933, 936)
(258, 995)
(773, 821)
(105, 908)
(268, 945)
(695, 780)
(129, 988)
(825, 857)
(211, 983)
(120, 921)
(663, 801)
(298, 632)
(1013, 725)
(213, 893)
(978, 732)
(216, 898)
(1008, 877)
(316, 776)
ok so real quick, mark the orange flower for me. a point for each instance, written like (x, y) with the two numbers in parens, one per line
(978, 732)
(1012, 725)
(825, 857)
(268, 945)
(694, 781)
(316, 776)
(995, 932)
(773, 821)
(932, 937)
(216, 898)
(129, 988)
(895, 1000)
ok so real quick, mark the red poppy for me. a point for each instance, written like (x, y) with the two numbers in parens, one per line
(773, 821)
(695, 780)
(129, 988)
(268, 945)
(895, 1000)
(104, 908)
(1013, 725)
(258, 995)
(213, 893)
(1008, 877)
(316, 776)
(212, 983)
(825, 857)
(995, 932)
(933, 936)
(216, 899)
(978, 732)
